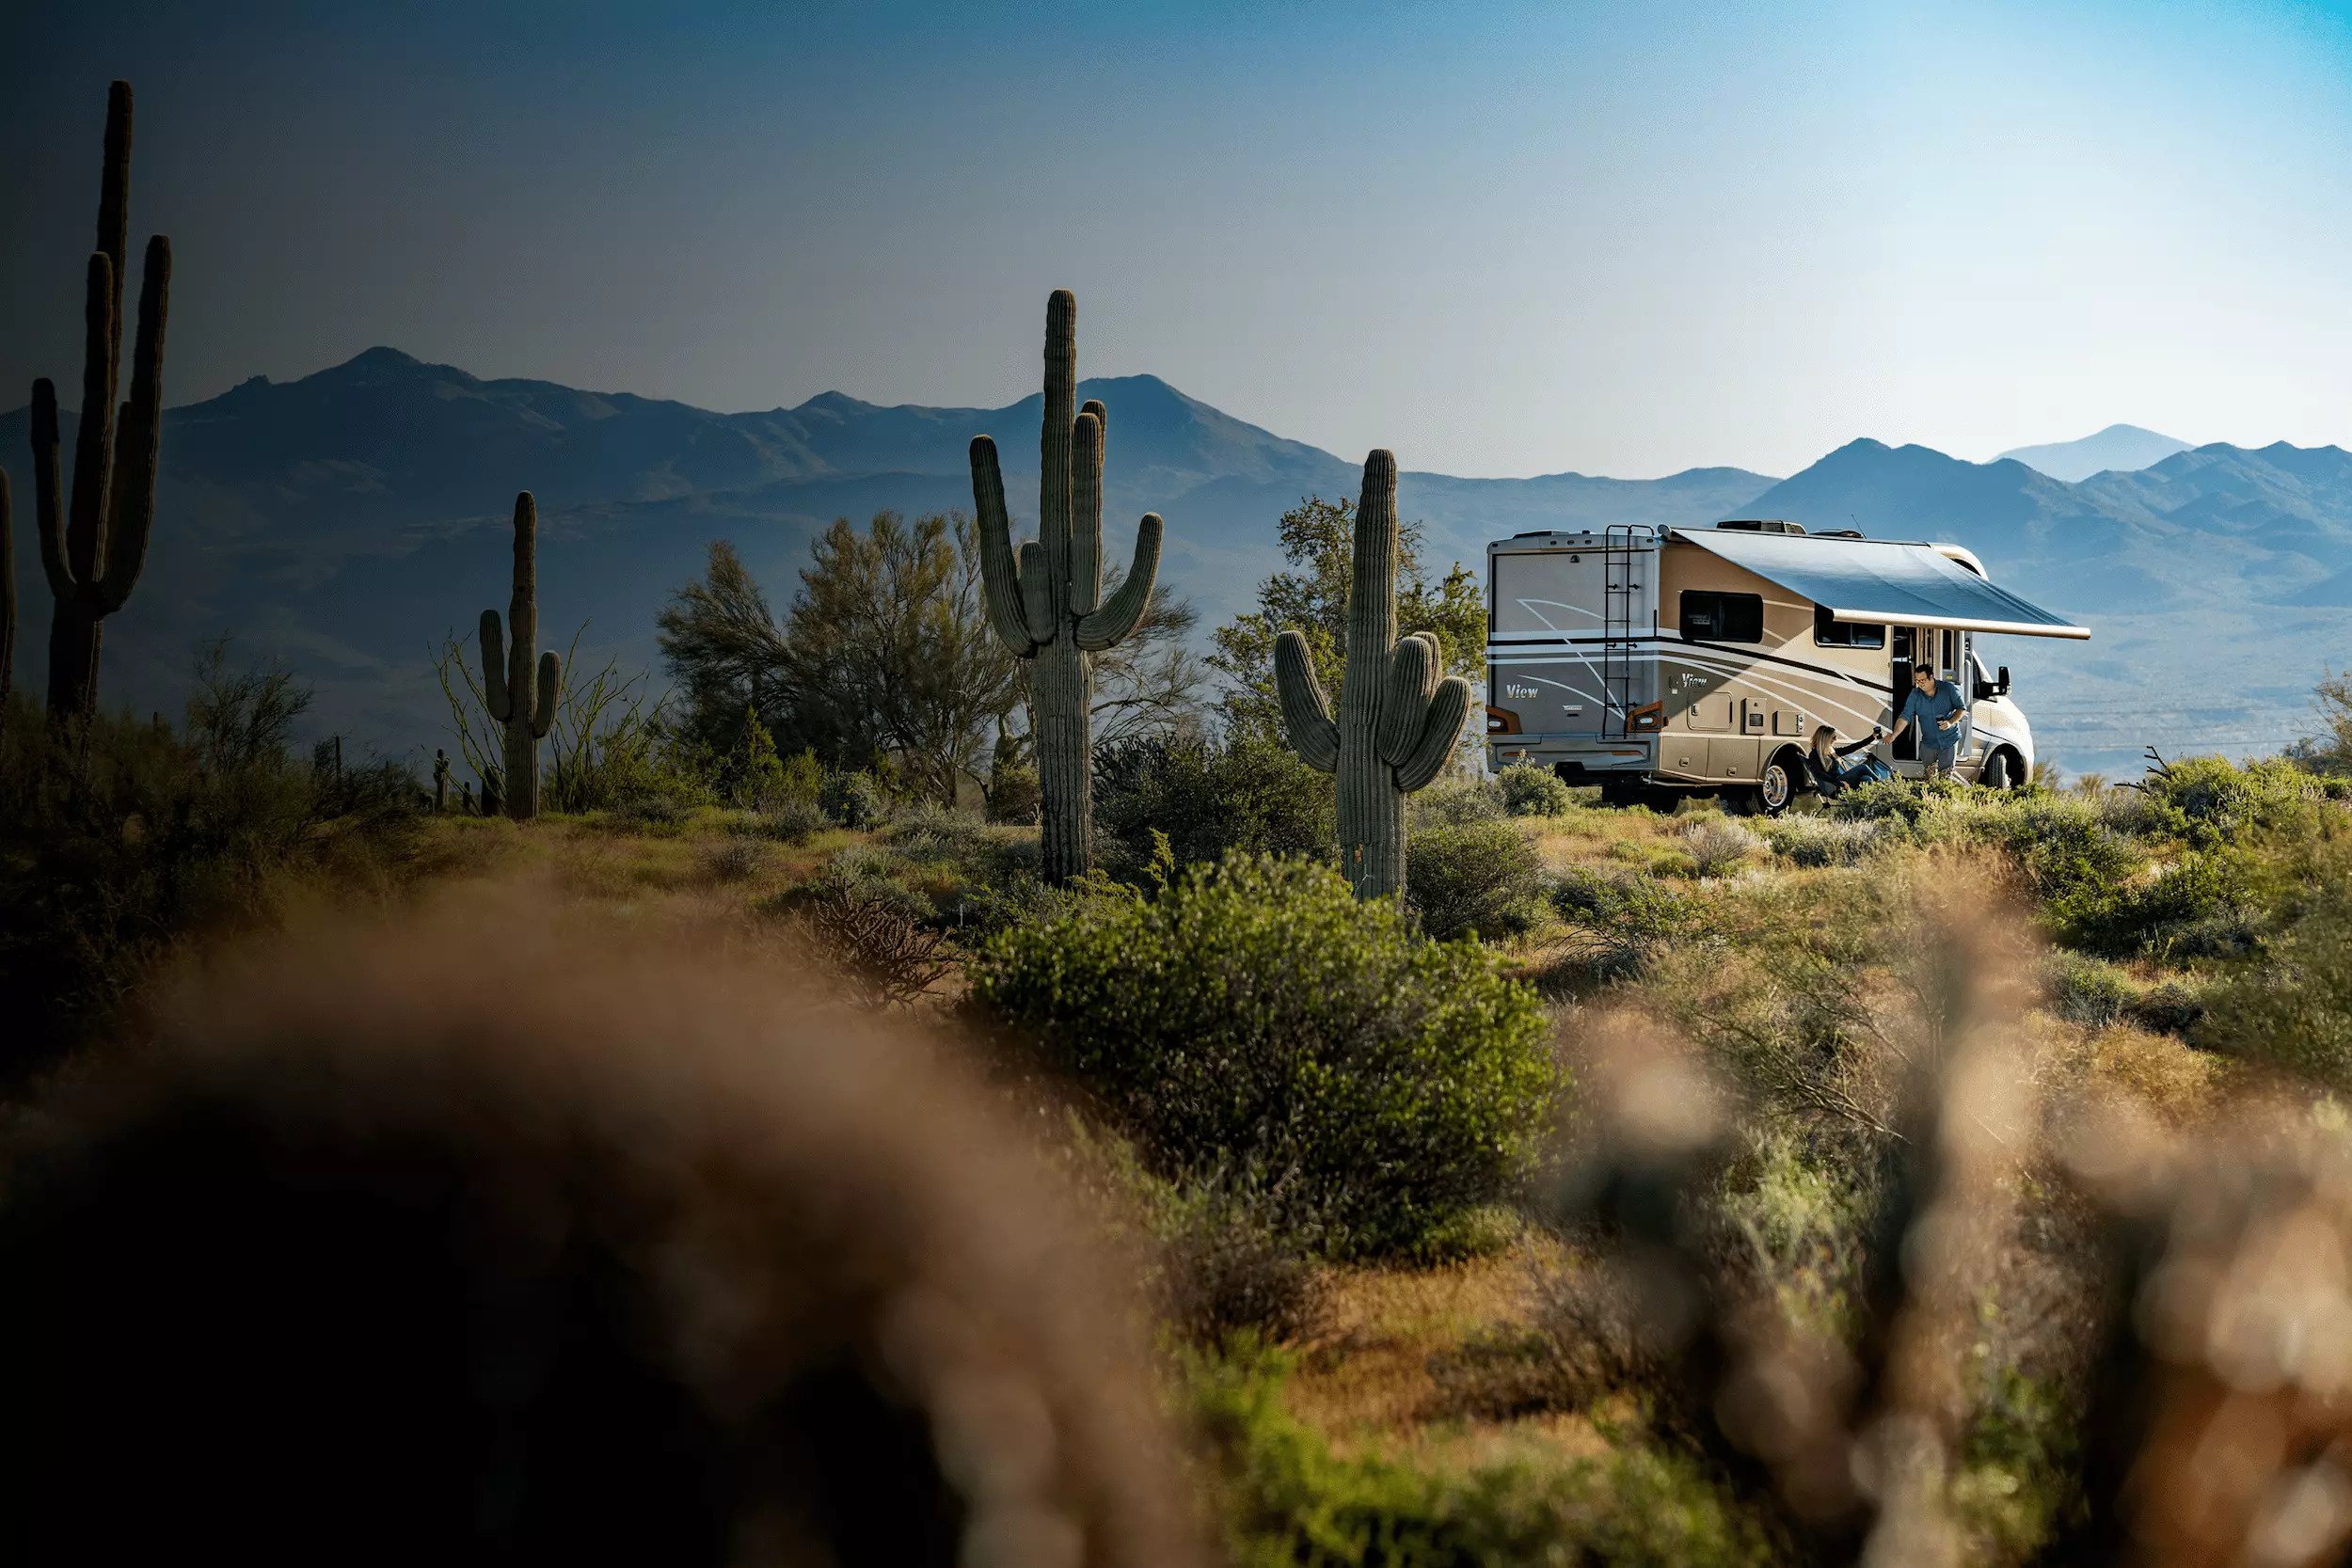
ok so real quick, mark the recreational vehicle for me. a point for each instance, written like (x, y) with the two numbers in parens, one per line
(1657, 660)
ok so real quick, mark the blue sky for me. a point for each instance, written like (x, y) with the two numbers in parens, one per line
(1501, 240)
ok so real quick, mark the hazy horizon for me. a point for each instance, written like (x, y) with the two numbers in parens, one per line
(1527, 243)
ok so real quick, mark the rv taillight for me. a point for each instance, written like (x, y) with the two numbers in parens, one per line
(1501, 720)
(1649, 716)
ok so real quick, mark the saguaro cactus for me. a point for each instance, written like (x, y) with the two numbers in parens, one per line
(525, 709)
(1047, 603)
(93, 554)
(1398, 722)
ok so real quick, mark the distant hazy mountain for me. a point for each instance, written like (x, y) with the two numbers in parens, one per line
(2119, 447)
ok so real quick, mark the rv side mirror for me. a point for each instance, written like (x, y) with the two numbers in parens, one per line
(2002, 680)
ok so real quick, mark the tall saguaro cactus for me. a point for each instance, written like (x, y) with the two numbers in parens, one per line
(524, 707)
(1046, 603)
(1398, 722)
(93, 549)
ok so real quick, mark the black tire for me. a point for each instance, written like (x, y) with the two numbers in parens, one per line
(1784, 777)
(1999, 770)
(1621, 793)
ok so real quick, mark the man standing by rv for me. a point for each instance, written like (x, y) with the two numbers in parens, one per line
(1939, 714)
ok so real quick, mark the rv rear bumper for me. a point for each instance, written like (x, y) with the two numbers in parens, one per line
(1573, 757)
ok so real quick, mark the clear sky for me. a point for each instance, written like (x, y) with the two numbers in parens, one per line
(1617, 239)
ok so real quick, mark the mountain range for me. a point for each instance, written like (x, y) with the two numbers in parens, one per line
(345, 522)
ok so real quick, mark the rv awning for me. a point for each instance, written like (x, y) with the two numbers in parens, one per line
(1878, 580)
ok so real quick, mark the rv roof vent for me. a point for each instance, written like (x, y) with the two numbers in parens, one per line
(1841, 533)
(1763, 525)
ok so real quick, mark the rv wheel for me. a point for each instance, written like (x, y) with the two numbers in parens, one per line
(2000, 771)
(1778, 786)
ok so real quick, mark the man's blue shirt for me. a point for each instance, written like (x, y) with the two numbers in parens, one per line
(1924, 708)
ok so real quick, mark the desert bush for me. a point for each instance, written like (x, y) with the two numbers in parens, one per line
(738, 859)
(1481, 879)
(1624, 917)
(1237, 1256)
(2204, 903)
(1457, 802)
(2088, 991)
(1885, 800)
(1013, 793)
(124, 836)
(2209, 801)
(793, 819)
(871, 934)
(1287, 1498)
(1255, 1011)
(928, 833)
(1529, 790)
(651, 811)
(1209, 797)
(2290, 1006)
(1812, 840)
(856, 800)
(1718, 846)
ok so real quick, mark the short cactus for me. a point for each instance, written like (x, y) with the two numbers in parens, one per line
(1398, 722)
(92, 548)
(526, 709)
(1047, 603)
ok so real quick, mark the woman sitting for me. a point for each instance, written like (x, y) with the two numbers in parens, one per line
(1835, 769)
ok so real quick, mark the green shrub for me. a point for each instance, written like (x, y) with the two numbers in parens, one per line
(792, 820)
(2210, 801)
(1629, 903)
(1255, 1011)
(2201, 905)
(1288, 1499)
(855, 799)
(1529, 790)
(1457, 802)
(1814, 841)
(1014, 793)
(1209, 797)
(118, 841)
(1480, 880)
(1885, 800)
(2291, 1005)
(2088, 992)
(1718, 846)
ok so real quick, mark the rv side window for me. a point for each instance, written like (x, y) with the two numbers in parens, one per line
(1829, 632)
(1723, 617)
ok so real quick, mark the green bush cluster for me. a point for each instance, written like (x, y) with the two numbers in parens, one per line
(2210, 801)
(1255, 1011)
(2291, 1005)
(1479, 878)
(1457, 802)
(1529, 790)
(1209, 797)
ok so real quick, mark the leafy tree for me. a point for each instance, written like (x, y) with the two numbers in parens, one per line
(1318, 540)
(2331, 752)
(885, 653)
(886, 658)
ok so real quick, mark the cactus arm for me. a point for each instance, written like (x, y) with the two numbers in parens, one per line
(93, 446)
(1439, 736)
(494, 695)
(1053, 481)
(1085, 506)
(1405, 701)
(1117, 618)
(138, 437)
(114, 216)
(1037, 591)
(551, 682)
(1000, 572)
(1306, 711)
(48, 511)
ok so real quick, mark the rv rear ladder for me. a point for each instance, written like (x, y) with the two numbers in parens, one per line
(1616, 650)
